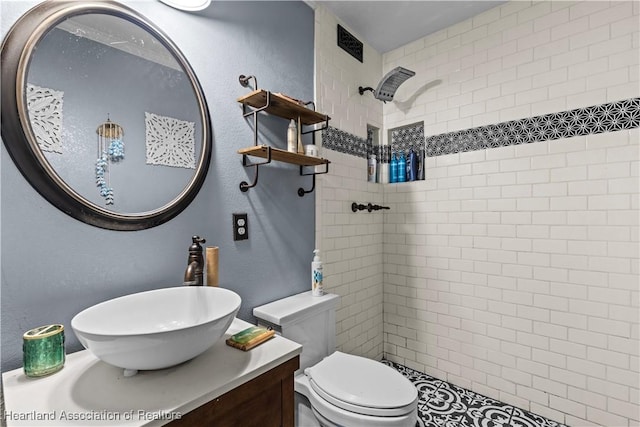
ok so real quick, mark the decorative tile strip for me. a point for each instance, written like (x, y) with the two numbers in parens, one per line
(344, 142)
(601, 118)
(405, 138)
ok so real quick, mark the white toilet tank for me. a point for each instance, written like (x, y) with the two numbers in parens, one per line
(305, 319)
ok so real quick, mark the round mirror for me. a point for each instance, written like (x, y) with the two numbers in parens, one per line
(103, 115)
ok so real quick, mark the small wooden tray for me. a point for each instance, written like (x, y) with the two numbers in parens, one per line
(247, 339)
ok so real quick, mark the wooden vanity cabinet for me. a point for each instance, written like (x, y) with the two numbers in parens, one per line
(265, 401)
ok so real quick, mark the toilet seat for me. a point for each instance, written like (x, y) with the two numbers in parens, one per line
(363, 386)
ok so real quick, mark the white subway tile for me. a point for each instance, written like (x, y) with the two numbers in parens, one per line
(589, 97)
(487, 17)
(535, 40)
(609, 170)
(608, 388)
(572, 57)
(625, 26)
(617, 11)
(572, 28)
(535, 11)
(523, 190)
(569, 203)
(550, 218)
(532, 149)
(603, 80)
(531, 96)
(568, 406)
(605, 418)
(594, 400)
(623, 408)
(546, 190)
(590, 37)
(550, 386)
(533, 176)
(622, 91)
(612, 327)
(623, 376)
(611, 201)
(551, 20)
(568, 232)
(610, 47)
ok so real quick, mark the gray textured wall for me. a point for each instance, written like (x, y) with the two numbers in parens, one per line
(54, 266)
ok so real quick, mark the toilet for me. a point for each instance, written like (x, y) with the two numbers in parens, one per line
(335, 388)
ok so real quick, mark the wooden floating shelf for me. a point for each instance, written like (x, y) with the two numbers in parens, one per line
(283, 106)
(283, 156)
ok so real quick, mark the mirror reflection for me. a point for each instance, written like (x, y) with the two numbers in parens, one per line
(114, 113)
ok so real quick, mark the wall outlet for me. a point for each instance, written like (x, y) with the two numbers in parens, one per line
(240, 226)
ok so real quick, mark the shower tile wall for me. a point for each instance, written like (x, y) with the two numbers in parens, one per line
(351, 243)
(351, 247)
(513, 271)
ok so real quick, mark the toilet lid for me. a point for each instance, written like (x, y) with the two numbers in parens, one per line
(362, 385)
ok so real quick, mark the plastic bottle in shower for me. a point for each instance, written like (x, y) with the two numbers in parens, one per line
(393, 175)
(421, 161)
(371, 168)
(412, 166)
(383, 167)
(402, 169)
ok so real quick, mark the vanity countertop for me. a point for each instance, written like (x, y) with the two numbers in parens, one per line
(89, 392)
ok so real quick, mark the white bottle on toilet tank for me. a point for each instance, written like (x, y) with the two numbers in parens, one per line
(317, 290)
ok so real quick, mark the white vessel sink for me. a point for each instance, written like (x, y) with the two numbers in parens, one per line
(156, 329)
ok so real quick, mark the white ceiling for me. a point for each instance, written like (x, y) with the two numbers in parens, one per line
(386, 25)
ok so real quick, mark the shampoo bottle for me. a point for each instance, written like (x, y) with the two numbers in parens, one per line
(393, 174)
(421, 165)
(317, 289)
(402, 169)
(412, 166)
(371, 168)
(292, 137)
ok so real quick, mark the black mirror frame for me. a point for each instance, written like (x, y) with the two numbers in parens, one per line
(20, 141)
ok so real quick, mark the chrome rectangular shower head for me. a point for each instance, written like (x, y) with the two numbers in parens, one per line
(390, 83)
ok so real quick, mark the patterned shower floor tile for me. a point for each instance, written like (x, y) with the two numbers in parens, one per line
(442, 404)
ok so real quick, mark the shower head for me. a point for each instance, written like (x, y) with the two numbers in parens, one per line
(389, 84)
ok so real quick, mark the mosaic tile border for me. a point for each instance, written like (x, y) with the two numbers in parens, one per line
(595, 119)
(345, 142)
(609, 117)
(404, 138)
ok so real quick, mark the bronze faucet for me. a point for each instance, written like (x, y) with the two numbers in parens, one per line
(195, 264)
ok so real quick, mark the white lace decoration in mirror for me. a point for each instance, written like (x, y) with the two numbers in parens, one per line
(169, 141)
(45, 111)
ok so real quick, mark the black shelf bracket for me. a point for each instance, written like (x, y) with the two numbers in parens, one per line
(302, 191)
(244, 185)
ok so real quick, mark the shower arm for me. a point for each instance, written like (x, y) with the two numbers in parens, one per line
(362, 90)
